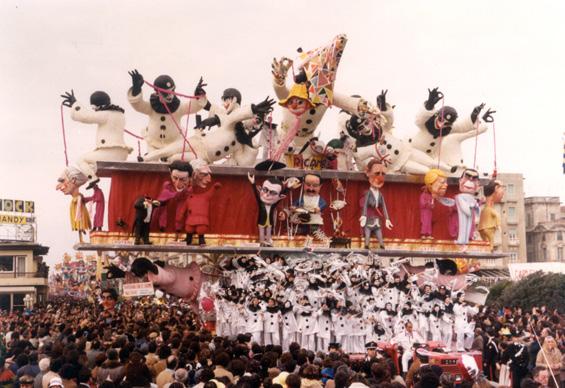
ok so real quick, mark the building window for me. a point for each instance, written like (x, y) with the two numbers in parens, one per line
(6, 263)
(552, 217)
(511, 213)
(20, 265)
(512, 236)
(510, 189)
(514, 257)
(544, 254)
(559, 236)
(560, 253)
(529, 222)
(18, 301)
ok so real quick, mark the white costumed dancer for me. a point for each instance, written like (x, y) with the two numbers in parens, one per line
(464, 328)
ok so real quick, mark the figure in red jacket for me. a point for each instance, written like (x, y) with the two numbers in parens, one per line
(174, 192)
(195, 210)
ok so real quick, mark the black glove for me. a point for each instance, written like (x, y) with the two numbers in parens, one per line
(142, 265)
(487, 117)
(476, 111)
(434, 96)
(199, 91)
(136, 82)
(381, 100)
(69, 98)
(263, 107)
(209, 122)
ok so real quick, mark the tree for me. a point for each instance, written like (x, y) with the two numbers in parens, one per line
(535, 290)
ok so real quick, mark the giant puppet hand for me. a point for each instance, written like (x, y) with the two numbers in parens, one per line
(263, 107)
(199, 90)
(434, 96)
(279, 69)
(381, 100)
(476, 111)
(487, 117)
(136, 82)
(69, 98)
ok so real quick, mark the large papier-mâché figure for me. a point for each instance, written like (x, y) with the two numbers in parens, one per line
(267, 197)
(443, 128)
(435, 187)
(69, 183)
(467, 205)
(110, 121)
(165, 110)
(376, 139)
(174, 192)
(373, 206)
(489, 222)
(183, 282)
(232, 138)
(319, 90)
(194, 213)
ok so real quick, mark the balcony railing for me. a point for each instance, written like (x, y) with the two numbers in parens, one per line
(24, 275)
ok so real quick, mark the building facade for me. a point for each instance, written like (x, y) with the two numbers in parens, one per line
(23, 275)
(545, 229)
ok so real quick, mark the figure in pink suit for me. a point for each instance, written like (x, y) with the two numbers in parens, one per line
(97, 198)
(435, 187)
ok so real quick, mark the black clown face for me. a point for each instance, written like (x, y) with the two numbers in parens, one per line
(441, 122)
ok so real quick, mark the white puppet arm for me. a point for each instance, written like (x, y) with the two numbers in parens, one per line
(138, 103)
(86, 115)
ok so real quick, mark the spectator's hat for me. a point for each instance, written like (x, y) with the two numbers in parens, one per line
(55, 382)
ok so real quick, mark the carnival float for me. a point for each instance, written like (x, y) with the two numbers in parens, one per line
(241, 212)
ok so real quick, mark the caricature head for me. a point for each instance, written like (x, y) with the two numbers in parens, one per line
(312, 184)
(436, 182)
(469, 181)
(109, 298)
(495, 190)
(70, 181)
(270, 192)
(201, 175)
(297, 101)
(231, 99)
(181, 173)
(375, 171)
(166, 83)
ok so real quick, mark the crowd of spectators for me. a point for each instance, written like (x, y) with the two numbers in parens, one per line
(141, 343)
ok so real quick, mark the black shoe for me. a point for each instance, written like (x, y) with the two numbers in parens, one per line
(140, 158)
(137, 242)
(201, 240)
(382, 246)
(188, 239)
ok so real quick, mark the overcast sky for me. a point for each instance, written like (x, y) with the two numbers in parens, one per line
(508, 54)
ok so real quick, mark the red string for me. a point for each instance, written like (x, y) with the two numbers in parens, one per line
(133, 134)
(440, 133)
(173, 92)
(186, 131)
(494, 173)
(158, 89)
(162, 100)
(476, 142)
(64, 137)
